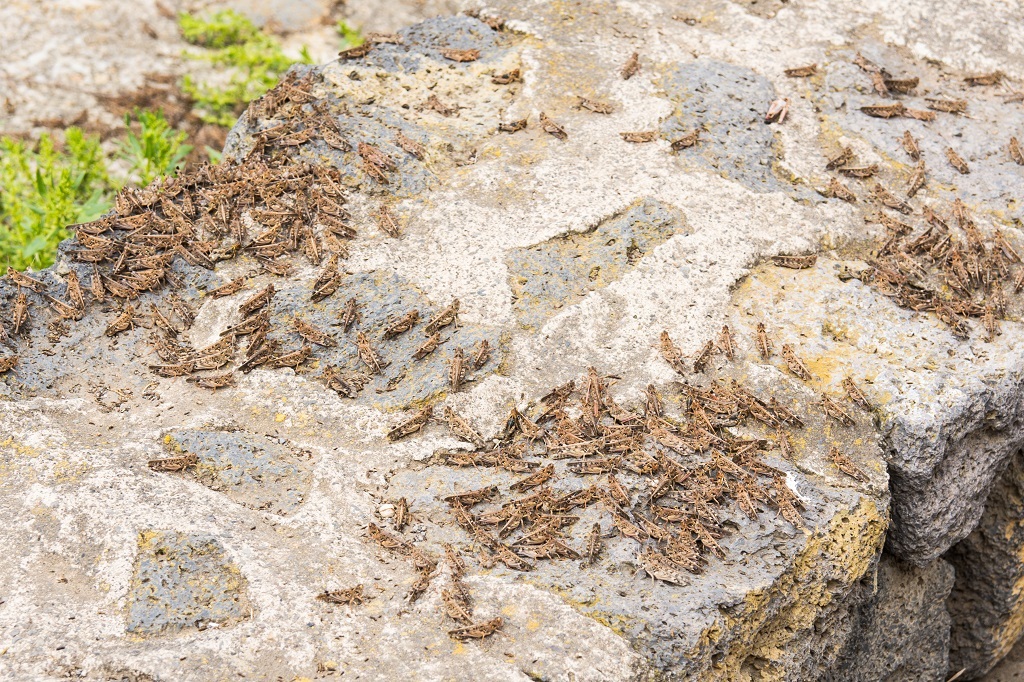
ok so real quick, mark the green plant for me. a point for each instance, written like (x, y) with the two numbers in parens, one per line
(43, 189)
(350, 37)
(156, 151)
(254, 62)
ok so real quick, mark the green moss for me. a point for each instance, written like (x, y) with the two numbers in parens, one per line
(253, 61)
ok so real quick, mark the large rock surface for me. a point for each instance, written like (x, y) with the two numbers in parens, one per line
(564, 254)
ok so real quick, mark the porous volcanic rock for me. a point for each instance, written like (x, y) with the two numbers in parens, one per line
(251, 454)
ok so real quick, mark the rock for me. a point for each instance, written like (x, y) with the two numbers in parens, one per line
(743, 531)
(985, 604)
(183, 581)
(901, 631)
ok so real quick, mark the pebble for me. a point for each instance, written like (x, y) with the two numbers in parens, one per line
(386, 511)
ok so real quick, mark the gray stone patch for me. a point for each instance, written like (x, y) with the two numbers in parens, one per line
(77, 360)
(986, 604)
(901, 629)
(252, 470)
(727, 103)
(427, 38)
(183, 580)
(559, 272)
(384, 297)
(981, 137)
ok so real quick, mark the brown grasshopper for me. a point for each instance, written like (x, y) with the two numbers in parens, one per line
(949, 106)
(764, 344)
(454, 607)
(660, 567)
(472, 497)
(884, 110)
(703, 356)
(846, 465)
(214, 381)
(428, 346)
(686, 141)
(595, 106)
(672, 354)
(653, 402)
(919, 114)
(1015, 151)
(540, 477)
(507, 78)
(357, 52)
(312, 334)
(839, 191)
(368, 355)
(232, 287)
(121, 323)
(482, 354)
(445, 317)
(795, 364)
(460, 55)
(352, 596)
(855, 394)
(631, 67)
(350, 315)
(292, 359)
(22, 280)
(832, 409)
(401, 518)
(410, 146)
(19, 314)
(462, 428)
(552, 128)
(917, 180)
(402, 324)
(434, 103)
(257, 301)
(795, 262)
(859, 171)
(512, 126)
(8, 363)
(910, 146)
(902, 86)
(411, 425)
(456, 370)
(179, 463)
(957, 161)
(802, 71)
(639, 137)
(890, 200)
(477, 630)
(387, 222)
(993, 78)
(844, 156)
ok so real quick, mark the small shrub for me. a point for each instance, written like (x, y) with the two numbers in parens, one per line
(156, 151)
(43, 189)
(253, 59)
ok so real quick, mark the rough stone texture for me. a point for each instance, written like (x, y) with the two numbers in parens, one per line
(901, 631)
(480, 213)
(183, 581)
(986, 605)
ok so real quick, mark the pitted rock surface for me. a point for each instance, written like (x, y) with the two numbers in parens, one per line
(565, 253)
